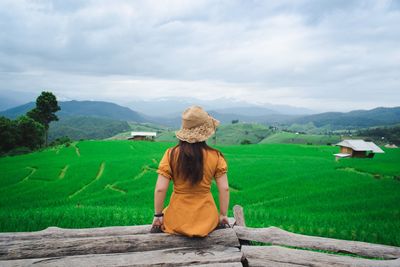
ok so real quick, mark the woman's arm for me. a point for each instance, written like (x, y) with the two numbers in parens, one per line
(159, 193)
(223, 193)
(159, 196)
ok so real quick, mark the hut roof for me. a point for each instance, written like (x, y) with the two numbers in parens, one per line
(361, 145)
(143, 133)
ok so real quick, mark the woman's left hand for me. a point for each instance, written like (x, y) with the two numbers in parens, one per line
(157, 225)
(157, 221)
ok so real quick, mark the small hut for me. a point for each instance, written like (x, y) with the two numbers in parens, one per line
(357, 149)
(143, 136)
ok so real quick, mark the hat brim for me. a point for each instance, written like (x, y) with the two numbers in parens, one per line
(198, 134)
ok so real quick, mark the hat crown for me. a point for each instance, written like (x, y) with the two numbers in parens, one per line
(194, 116)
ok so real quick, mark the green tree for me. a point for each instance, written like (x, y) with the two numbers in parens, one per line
(30, 132)
(8, 134)
(44, 112)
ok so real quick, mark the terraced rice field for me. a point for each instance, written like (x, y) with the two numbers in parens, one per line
(299, 188)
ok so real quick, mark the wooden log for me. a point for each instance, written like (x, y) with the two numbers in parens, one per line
(280, 256)
(226, 264)
(211, 256)
(56, 232)
(277, 236)
(231, 221)
(54, 247)
(239, 215)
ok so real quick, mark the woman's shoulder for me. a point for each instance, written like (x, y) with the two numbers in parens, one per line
(214, 153)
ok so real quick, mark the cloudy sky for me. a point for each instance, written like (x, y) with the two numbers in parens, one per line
(323, 55)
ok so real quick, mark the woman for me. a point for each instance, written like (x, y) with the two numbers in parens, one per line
(191, 165)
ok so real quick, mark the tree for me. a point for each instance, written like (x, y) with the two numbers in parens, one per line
(30, 132)
(44, 112)
(8, 134)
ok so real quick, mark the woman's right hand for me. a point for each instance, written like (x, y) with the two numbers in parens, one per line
(223, 219)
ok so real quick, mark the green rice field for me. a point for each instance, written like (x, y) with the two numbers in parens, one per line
(300, 188)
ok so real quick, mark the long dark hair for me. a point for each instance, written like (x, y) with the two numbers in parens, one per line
(189, 161)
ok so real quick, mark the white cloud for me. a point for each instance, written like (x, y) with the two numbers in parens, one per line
(329, 55)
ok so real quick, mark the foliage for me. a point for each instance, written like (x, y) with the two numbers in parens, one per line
(45, 111)
(390, 134)
(299, 188)
(8, 134)
(46, 107)
(353, 119)
(79, 127)
(30, 132)
(61, 141)
(245, 142)
(23, 132)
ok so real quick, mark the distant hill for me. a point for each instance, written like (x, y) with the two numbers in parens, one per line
(173, 107)
(85, 119)
(293, 138)
(83, 108)
(225, 118)
(354, 119)
(229, 134)
(81, 127)
(264, 119)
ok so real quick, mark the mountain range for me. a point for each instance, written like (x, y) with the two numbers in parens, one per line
(172, 107)
(98, 119)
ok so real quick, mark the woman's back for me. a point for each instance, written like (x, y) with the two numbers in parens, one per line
(214, 165)
(191, 166)
(192, 210)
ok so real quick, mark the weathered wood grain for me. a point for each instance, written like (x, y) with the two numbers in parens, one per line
(54, 247)
(280, 256)
(211, 256)
(239, 215)
(55, 232)
(278, 236)
(226, 264)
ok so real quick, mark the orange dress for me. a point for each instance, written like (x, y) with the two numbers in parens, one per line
(192, 210)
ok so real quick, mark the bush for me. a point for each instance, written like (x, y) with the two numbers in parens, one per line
(245, 142)
(19, 151)
(60, 141)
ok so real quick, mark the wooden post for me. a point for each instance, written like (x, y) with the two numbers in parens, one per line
(239, 221)
(239, 215)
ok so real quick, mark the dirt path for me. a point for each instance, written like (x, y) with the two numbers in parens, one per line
(99, 174)
(77, 151)
(33, 170)
(114, 188)
(63, 171)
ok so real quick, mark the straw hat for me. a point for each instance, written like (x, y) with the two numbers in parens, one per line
(197, 125)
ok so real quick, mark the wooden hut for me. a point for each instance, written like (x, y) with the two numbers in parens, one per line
(357, 149)
(143, 136)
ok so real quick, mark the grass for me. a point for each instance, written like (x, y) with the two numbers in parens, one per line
(299, 188)
(293, 138)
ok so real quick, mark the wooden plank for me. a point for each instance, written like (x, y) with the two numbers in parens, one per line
(280, 256)
(226, 264)
(56, 232)
(54, 247)
(277, 236)
(239, 215)
(211, 256)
